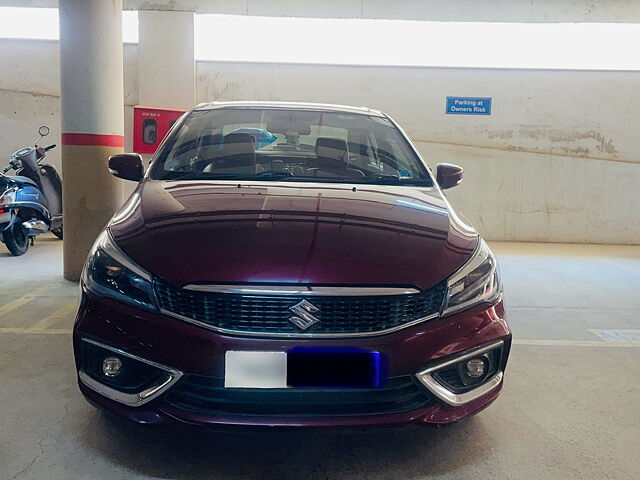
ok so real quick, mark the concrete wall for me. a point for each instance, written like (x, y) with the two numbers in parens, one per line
(445, 10)
(176, 52)
(30, 94)
(557, 161)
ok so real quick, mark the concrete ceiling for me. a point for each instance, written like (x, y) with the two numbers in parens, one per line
(443, 10)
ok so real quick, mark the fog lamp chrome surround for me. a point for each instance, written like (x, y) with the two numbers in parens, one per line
(131, 399)
(457, 399)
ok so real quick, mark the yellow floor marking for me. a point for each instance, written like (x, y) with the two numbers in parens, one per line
(577, 343)
(59, 314)
(31, 331)
(19, 302)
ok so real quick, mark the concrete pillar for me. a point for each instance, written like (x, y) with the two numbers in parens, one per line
(91, 87)
(166, 65)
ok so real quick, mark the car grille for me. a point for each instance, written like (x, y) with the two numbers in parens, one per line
(271, 314)
(207, 395)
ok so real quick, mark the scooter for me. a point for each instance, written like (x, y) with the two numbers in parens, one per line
(31, 200)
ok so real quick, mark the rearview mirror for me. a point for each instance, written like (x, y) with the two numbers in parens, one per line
(127, 166)
(448, 175)
(43, 131)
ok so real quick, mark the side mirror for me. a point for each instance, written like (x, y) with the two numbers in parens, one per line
(448, 175)
(43, 131)
(127, 166)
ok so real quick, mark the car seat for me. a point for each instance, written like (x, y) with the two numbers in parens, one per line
(332, 156)
(238, 155)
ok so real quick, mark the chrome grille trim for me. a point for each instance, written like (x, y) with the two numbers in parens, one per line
(301, 290)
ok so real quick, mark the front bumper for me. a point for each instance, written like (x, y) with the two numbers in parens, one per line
(193, 352)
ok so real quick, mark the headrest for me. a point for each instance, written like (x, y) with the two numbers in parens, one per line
(334, 149)
(238, 144)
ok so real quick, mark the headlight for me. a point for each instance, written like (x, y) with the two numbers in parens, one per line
(477, 281)
(108, 272)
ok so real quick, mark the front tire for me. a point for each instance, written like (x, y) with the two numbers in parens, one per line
(16, 239)
(57, 232)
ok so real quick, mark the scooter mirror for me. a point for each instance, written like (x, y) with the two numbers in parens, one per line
(43, 131)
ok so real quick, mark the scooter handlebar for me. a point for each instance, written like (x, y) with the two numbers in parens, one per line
(13, 165)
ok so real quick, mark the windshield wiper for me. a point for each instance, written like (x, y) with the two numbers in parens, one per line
(186, 176)
(288, 176)
(269, 175)
(387, 179)
(262, 176)
(229, 176)
(379, 179)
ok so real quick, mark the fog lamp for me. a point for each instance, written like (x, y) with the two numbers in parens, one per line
(476, 367)
(111, 366)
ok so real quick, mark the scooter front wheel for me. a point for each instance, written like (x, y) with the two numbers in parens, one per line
(16, 239)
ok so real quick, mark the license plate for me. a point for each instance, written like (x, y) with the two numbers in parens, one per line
(255, 369)
(305, 367)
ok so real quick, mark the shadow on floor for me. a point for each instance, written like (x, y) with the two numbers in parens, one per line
(196, 453)
(44, 240)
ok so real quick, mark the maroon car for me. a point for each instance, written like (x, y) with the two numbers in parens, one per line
(289, 264)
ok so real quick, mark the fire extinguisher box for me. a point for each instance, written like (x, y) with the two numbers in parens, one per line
(151, 125)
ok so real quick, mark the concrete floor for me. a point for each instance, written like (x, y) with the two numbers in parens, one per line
(569, 409)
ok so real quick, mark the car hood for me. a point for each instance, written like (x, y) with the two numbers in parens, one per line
(222, 232)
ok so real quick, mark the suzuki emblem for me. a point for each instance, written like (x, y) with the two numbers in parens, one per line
(304, 311)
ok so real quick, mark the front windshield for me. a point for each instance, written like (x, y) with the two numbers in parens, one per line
(289, 145)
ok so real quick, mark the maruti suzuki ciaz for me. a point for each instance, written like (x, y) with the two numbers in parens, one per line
(289, 264)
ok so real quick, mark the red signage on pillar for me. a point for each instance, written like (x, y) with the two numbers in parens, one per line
(151, 125)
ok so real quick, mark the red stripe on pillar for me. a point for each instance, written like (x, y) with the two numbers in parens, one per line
(93, 139)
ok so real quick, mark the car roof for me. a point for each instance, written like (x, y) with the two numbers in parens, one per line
(325, 107)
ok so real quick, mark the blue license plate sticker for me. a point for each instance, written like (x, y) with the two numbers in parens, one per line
(335, 367)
